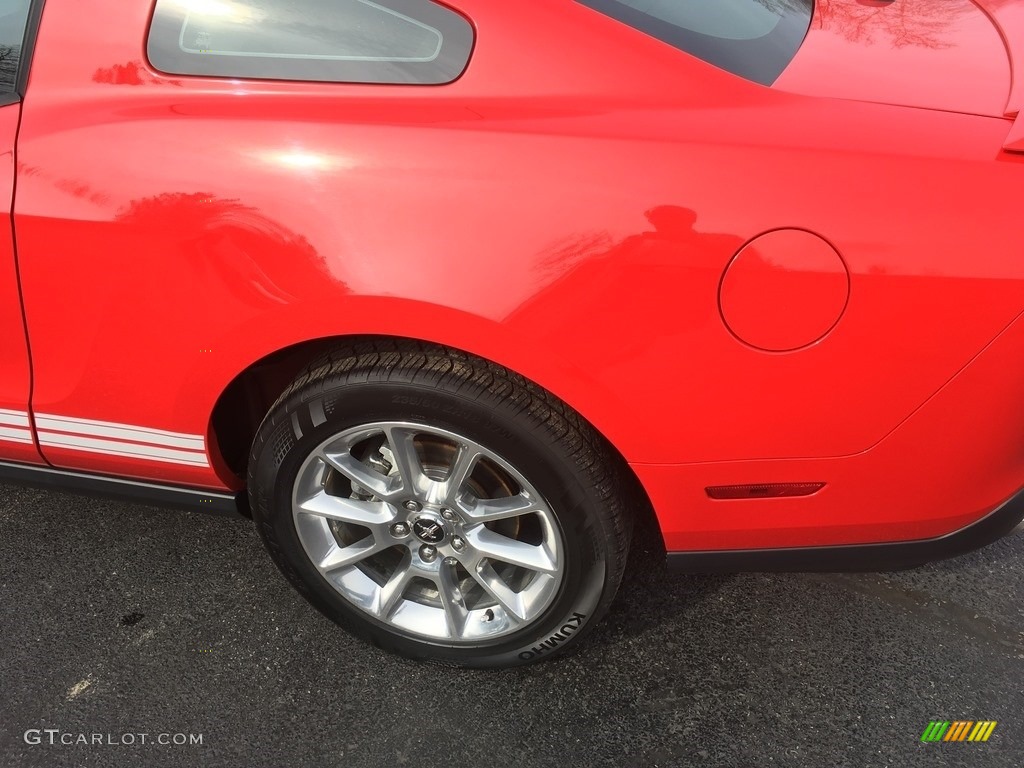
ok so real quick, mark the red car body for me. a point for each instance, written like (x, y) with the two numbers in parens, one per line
(818, 282)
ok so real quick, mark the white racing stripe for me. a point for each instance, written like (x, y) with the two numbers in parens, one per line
(12, 435)
(13, 418)
(104, 437)
(118, 448)
(120, 432)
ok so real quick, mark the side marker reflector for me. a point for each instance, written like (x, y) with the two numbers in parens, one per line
(763, 490)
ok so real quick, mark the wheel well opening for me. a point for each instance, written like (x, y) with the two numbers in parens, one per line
(245, 402)
(241, 407)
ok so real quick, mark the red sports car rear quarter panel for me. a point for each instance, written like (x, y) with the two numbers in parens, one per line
(570, 219)
(959, 456)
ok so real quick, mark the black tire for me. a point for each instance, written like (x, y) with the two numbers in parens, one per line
(563, 458)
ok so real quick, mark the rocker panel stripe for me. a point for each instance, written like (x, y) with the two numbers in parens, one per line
(104, 437)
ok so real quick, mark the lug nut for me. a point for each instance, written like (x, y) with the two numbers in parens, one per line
(447, 514)
(458, 544)
(398, 530)
(428, 553)
(412, 506)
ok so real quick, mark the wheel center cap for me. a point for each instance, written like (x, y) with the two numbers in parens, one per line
(428, 530)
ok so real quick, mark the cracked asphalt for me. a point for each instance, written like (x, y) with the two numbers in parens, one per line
(118, 619)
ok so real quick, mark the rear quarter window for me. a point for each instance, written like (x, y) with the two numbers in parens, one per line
(13, 18)
(352, 41)
(755, 39)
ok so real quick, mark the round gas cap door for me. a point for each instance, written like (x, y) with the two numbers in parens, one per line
(784, 290)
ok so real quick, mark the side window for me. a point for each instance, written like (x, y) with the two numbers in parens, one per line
(755, 39)
(13, 18)
(349, 41)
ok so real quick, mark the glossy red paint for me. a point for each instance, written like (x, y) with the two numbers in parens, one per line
(958, 455)
(569, 217)
(917, 53)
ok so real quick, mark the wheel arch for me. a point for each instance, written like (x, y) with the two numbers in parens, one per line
(244, 402)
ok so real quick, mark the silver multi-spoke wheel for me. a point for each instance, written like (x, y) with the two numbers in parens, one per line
(428, 531)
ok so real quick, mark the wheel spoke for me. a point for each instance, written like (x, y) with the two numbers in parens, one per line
(453, 601)
(495, 586)
(358, 472)
(494, 546)
(407, 460)
(354, 511)
(393, 589)
(487, 510)
(343, 557)
(462, 467)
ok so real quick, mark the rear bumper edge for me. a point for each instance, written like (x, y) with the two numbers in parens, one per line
(889, 556)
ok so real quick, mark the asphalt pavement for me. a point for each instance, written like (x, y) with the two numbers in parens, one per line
(119, 620)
